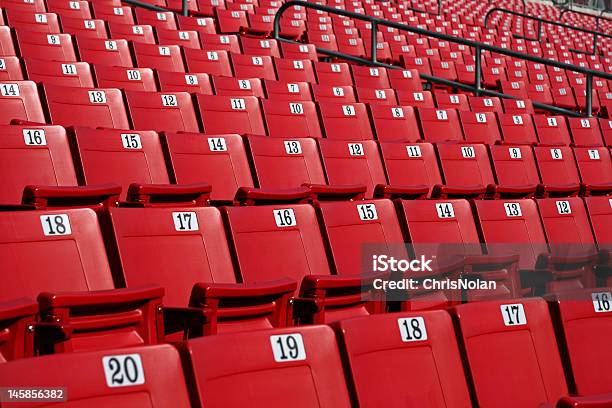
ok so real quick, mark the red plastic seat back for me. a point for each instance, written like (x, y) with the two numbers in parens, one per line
(105, 52)
(600, 214)
(395, 123)
(355, 162)
(228, 114)
(481, 127)
(465, 165)
(345, 121)
(585, 131)
(514, 165)
(595, 165)
(552, 130)
(33, 155)
(511, 340)
(565, 221)
(20, 100)
(425, 341)
(557, 165)
(51, 47)
(298, 158)
(439, 125)
(291, 119)
(162, 111)
(410, 164)
(133, 79)
(161, 57)
(122, 157)
(517, 129)
(219, 160)
(297, 367)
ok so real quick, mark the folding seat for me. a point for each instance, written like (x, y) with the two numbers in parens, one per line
(394, 123)
(517, 129)
(10, 69)
(345, 122)
(16, 319)
(333, 74)
(595, 167)
(452, 101)
(219, 160)
(417, 63)
(515, 168)
(518, 106)
(158, 19)
(337, 94)
(160, 111)
(585, 131)
(299, 159)
(74, 314)
(557, 170)
(50, 47)
(20, 100)
(146, 375)
(113, 13)
(183, 38)
(180, 82)
(288, 91)
(466, 73)
(96, 107)
(238, 86)
(116, 156)
(606, 130)
(425, 342)
(299, 51)
(135, 33)
(37, 6)
(7, 48)
(84, 28)
(220, 42)
(439, 124)
(564, 97)
(405, 80)
(581, 318)
(227, 114)
(209, 62)
(540, 93)
(33, 155)
(37, 22)
(373, 96)
(493, 75)
(291, 119)
(203, 25)
(370, 77)
(313, 349)
(416, 99)
(289, 70)
(160, 57)
(105, 52)
(58, 73)
(481, 127)
(352, 162)
(249, 66)
(133, 79)
(466, 168)
(581, 99)
(485, 104)
(258, 46)
(552, 130)
(230, 21)
(411, 165)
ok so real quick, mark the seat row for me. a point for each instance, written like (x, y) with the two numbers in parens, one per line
(47, 155)
(419, 357)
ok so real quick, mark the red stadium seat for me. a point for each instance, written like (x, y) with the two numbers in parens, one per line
(59, 73)
(291, 119)
(95, 107)
(7, 48)
(466, 169)
(337, 94)
(132, 79)
(209, 62)
(606, 130)
(425, 341)
(230, 21)
(600, 214)
(38, 22)
(405, 80)
(142, 33)
(515, 168)
(249, 66)
(395, 123)
(524, 328)
(595, 167)
(221, 113)
(370, 77)
(485, 104)
(290, 91)
(87, 28)
(480, 127)
(158, 19)
(50, 47)
(183, 38)
(420, 99)
(557, 170)
(258, 46)
(552, 130)
(344, 122)
(146, 375)
(373, 96)
(114, 13)
(585, 131)
(220, 42)
(299, 159)
(333, 74)
(452, 101)
(440, 125)
(219, 160)
(16, 320)
(238, 86)
(179, 82)
(296, 70)
(105, 52)
(33, 155)
(78, 307)
(518, 106)
(20, 101)
(160, 111)
(10, 69)
(161, 57)
(309, 353)
(352, 162)
(122, 157)
(517, 129)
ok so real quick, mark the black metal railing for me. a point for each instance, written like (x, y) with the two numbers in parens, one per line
(478, 47)
(153, 7)
(540, 21)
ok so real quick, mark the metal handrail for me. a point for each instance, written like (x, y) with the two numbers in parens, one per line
(478, 47)
(540, 20)
(427, 12)
(153, 7)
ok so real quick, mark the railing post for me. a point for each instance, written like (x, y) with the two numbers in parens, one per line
(374, 41)
(539, 30)
(185, 9)
(589, 95)
(478, 70)
(594, 43)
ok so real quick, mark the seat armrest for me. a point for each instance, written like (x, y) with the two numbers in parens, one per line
(256, 196)
(149, 195)
(504, 191)
(97, 196)
(567, 190)
(402, 192)
(441, 191)
(588, 189)
(202, 291)
(595, 401)
(323, 192)
(48, 300)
